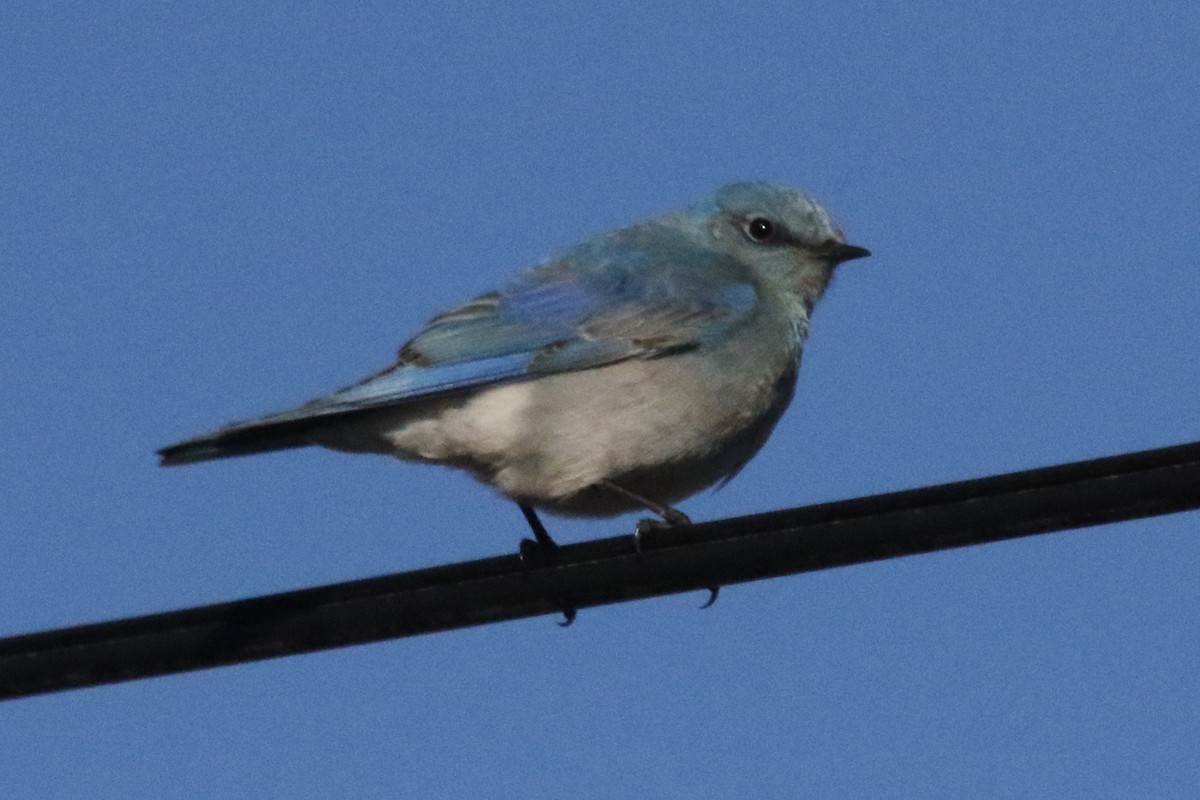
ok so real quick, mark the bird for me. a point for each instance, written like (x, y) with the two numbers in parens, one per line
(628, 373)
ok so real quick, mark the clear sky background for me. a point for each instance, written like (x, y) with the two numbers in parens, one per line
(214, 210)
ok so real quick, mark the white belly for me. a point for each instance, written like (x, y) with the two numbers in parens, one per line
(662, 428)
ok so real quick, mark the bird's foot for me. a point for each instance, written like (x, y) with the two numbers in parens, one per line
(541, 547)
(535, 553)
(671, 518)
(542, 550)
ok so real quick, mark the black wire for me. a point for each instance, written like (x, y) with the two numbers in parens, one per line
(605, 571)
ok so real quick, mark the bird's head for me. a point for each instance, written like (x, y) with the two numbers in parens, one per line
(786, 237)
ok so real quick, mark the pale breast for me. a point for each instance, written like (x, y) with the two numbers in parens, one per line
(664, 428)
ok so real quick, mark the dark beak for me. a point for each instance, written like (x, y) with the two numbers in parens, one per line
(845, 252)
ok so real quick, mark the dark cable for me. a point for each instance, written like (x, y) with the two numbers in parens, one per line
(605, 571)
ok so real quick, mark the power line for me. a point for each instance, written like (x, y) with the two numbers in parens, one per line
(603, 571)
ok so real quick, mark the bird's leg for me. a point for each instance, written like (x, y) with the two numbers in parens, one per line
(540, 548)
(671, 517)
(542, 540)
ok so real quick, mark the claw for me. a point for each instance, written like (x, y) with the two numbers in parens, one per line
(568, 616)
(713, 591)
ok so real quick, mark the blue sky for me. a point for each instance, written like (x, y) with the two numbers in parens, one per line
(211, 212)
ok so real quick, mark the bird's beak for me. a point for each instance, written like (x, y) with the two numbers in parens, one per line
(845, 252)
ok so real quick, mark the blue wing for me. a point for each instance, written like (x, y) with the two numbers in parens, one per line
(640, 292)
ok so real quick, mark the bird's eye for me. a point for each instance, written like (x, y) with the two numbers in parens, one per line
(760, 229)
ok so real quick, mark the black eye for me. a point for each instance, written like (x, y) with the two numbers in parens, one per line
(760, 229)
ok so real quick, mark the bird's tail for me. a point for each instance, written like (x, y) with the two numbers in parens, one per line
(238, 440)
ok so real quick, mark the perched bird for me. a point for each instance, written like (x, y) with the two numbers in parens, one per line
(633, 370)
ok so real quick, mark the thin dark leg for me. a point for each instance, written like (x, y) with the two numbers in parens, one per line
(672, 516)
(539, 530)
(542, 548)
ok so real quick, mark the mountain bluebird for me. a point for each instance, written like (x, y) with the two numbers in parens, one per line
(630, 372)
